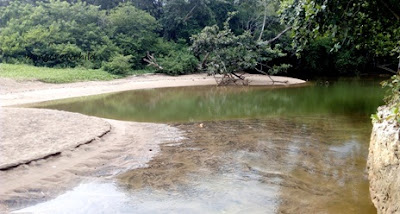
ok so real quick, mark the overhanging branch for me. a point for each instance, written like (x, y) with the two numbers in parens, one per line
(390, 9)
(383, 67)
(276, 37)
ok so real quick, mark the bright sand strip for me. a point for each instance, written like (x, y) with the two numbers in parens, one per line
(17, 93)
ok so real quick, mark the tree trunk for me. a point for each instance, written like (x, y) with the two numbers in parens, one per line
(264, 21)
(398, 67)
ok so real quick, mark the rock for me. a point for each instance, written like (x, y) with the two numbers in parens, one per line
(384, 164)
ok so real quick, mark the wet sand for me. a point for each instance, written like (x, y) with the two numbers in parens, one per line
(127, 146)
(33, 134)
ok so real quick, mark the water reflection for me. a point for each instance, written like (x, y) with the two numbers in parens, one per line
(300, 150)
(212, 103)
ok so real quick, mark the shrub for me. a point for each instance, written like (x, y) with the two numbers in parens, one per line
(174, 58)
(118, 65)
(392, 100)
(178, 62)
(393, 97)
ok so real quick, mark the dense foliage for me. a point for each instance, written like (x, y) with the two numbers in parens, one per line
(329, 37)
(370, 30)
(54, 34)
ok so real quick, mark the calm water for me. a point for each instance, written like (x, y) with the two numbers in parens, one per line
(257, 150)
(188, 104)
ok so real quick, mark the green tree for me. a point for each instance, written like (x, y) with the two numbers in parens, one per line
(258, 16)
(373, 27)
(183, 18)
(54, 33)
(133, 31)
(223, 52)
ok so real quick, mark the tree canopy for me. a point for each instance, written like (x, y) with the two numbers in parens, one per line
(329, 37)
(372, 27)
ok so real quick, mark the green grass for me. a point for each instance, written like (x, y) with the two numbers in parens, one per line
(57, 75)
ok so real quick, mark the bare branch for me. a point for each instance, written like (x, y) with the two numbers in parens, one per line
(280, 34)
(383, 67)
(269, 76)
(189, 15)
(152, 61)
(276, 37)
(238, 76)
(398, 67)
(394, 13)
(204, 62)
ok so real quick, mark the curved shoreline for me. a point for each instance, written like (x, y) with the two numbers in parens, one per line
(125, 146)
(18, 93)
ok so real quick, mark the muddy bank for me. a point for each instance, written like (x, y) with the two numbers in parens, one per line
(384, 164)
(126, 146)
(15, 93)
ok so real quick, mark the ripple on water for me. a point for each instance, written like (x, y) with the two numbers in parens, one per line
(241, 166)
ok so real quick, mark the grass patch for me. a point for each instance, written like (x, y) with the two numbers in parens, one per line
(57, 75)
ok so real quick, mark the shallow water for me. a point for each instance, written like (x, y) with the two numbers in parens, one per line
(257, 150)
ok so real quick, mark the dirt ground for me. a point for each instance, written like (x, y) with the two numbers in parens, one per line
(45, 152)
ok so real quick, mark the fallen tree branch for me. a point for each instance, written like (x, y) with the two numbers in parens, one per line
(238, 76)
(152, 61)
(269, 76)
(383, 67)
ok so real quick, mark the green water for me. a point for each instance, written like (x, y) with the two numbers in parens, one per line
(350, 98)
(258, 150)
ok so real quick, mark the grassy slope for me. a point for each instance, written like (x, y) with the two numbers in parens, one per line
(55, 75)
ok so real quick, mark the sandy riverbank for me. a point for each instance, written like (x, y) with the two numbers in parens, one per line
(50, 151)
(125, 146)
(16, 93)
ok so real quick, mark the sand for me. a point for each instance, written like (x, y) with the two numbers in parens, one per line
(32, 134)
(16, 93)
(128, 145)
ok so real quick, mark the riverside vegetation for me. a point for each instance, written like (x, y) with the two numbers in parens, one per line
(61, 41)
(303, 38)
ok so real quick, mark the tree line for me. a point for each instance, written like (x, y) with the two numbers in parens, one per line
(304, 37)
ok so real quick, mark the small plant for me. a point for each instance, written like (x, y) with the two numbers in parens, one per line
(392, 99)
